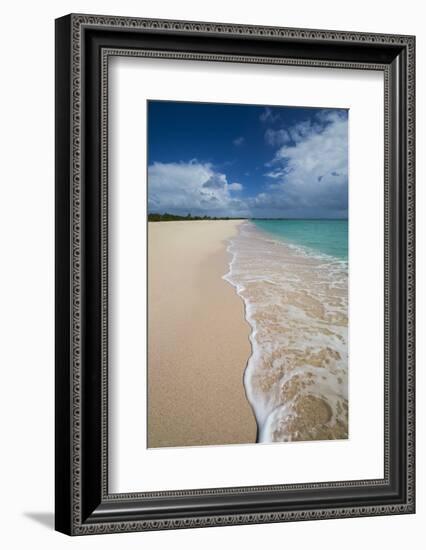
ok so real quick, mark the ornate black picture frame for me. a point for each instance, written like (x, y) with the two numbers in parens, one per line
(83, 45)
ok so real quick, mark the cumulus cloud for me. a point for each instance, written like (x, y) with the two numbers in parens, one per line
(215, 181)
(307, 176)
(310, 174)
(192, 187)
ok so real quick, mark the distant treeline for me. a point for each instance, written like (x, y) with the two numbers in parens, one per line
(166, 217)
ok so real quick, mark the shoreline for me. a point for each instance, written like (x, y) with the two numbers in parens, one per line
(198, 338)
(296, 376)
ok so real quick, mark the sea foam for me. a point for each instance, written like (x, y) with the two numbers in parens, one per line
(296, 303)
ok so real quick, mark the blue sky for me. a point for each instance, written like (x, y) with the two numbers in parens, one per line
(247, 160)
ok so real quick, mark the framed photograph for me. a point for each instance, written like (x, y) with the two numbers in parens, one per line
(234, 274)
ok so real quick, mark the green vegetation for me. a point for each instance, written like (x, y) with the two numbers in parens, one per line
(166, 217)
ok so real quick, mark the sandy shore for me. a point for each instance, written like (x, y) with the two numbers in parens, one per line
(198, 342)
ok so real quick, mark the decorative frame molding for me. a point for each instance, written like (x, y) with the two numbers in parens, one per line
(84, 43)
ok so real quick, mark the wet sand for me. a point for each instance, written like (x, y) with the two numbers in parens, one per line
(198, 338)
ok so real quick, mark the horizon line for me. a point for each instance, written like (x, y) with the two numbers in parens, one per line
(249, 217)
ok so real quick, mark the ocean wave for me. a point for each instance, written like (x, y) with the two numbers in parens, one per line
(296, 303)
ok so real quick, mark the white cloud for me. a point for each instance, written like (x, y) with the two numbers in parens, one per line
(303, 130)
(267, 115)
(311, 175)
(235, 186)
(277, 137)
(238, 141)
(307, 177)
(192, 187)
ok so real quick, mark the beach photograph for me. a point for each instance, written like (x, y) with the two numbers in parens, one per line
(247, 321)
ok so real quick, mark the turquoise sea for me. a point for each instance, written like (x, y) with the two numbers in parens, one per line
(324, 236)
